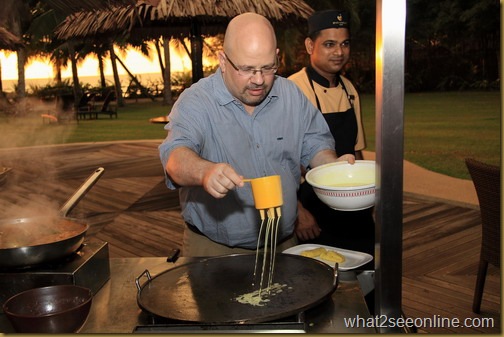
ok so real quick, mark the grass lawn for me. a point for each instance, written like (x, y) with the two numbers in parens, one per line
(132, 124)
(440, 129)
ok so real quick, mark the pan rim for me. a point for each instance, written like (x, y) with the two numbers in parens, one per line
(166, 290)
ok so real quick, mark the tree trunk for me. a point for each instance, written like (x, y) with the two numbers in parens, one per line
(101, 68)
(13, 15)
(160, 59)
(22, 57)
(57, 70)
(21, 87)
(134, 79)
(167, 96)
(185, 47)
(1, 84)
(117, 81)
(77, 91)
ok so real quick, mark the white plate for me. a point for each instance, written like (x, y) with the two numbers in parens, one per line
(353, 259)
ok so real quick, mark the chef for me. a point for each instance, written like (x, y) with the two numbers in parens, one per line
(323, 82)
(241, 121)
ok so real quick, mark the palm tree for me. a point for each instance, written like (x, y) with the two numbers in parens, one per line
(42, 35)
(100, 49)
(40, 31)
(118, 91)
(172, 19)
(8, 41)
(165, 70)
(14, 16)
(43, 42)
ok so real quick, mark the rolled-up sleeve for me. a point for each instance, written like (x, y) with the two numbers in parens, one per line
(317, 136)
(184, 130)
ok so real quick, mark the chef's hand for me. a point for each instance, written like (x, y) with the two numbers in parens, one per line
(219, 179)
(306, 226)
(329, 156)
(350, 158)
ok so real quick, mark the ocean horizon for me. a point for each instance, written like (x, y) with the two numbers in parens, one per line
(31, 83)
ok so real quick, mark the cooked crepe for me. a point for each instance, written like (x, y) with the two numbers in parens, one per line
(324, 254)
(313, 252)
(333, 256)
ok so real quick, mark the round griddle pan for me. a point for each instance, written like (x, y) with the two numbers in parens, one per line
(205, 291)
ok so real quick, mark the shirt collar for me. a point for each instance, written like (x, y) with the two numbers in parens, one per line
(319, 79)
(222, 93)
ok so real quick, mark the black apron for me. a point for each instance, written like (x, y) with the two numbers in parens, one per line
(352, 230)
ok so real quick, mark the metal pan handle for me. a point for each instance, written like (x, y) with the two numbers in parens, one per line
(336, 278)
(81, 192)
(137, 280)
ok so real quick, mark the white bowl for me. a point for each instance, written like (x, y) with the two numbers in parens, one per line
(343, 186)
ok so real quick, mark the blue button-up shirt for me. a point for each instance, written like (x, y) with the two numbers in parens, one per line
(284, 132)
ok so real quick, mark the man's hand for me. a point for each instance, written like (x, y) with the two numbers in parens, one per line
(306, 226)
(329, 156)
(350, 158)
(186, 168)
(219, 179)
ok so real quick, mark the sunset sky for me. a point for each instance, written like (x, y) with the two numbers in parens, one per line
(135, 61)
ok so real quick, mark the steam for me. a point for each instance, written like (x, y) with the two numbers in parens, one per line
(21, 124)
(32, 206)
(30, 187)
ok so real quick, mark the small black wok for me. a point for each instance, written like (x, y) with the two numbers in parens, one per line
(53, 309)
(31, 241)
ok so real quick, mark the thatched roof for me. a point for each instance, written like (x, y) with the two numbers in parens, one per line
(72, 6)
(9, 40)
(173, 17)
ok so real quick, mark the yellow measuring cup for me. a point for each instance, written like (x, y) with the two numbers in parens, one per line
(267, 191)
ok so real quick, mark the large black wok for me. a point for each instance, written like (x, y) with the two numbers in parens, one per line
(205, 291)
(34, 240)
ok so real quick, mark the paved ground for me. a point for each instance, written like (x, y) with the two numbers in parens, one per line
(418, 180)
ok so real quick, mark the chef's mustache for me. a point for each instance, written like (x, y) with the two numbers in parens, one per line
(255, 87)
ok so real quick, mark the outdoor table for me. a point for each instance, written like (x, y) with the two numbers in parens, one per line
(160, 120)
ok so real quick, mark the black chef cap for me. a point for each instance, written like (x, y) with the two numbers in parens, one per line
(331, 18)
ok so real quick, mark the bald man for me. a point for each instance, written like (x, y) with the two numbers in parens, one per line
(241, 121)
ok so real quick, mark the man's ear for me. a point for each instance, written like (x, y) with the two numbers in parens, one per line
(308, 45)
(222, 61)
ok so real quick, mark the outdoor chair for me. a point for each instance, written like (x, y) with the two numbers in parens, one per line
(85, 106)
(486, 179)
(7, 107)
(107, 108)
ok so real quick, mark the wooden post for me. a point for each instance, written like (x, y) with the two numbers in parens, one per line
(196, 52)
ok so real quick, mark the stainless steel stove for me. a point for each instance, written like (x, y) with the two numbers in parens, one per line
(88, 267)
(292, 324)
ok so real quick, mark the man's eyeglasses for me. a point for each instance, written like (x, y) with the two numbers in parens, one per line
(249, 71)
